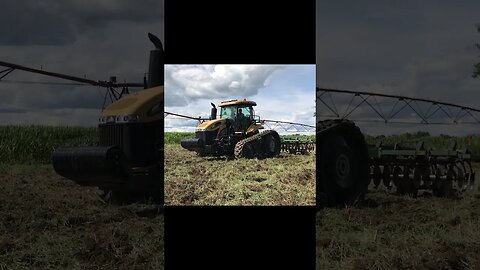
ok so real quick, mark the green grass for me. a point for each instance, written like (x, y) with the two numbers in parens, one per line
(193, 180)
(35, 144)
(176, 137)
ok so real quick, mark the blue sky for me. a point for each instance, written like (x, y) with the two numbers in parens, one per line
(285, 93)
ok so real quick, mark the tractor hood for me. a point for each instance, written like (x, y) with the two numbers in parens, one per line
(142, 106)
(211, 125)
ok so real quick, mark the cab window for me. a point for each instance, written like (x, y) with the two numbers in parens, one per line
(228, 112)
(246, 111)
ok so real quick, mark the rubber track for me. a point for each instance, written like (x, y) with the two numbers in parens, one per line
(239, 146)
(325, 128)
(326, 125)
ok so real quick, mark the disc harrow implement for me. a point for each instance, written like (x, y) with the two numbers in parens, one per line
(410, 169)
(297, 147)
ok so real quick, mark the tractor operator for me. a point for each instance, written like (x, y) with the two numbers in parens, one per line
(243, 121)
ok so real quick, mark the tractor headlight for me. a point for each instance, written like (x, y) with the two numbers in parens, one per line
(110, 119)
(130, 118)
(127, 118)
(119, 119)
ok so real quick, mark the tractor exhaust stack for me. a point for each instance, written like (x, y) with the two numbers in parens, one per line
(213, 114)
(157, 58)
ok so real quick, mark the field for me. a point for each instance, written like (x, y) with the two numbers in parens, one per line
(48, 222)
(193, 180)
(388, 231)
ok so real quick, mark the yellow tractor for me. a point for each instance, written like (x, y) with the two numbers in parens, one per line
(128, 159)
(235, 133)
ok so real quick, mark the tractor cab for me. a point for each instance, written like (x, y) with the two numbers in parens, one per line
(239, 113)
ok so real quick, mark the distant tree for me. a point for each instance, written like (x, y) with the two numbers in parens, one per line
(476, 67)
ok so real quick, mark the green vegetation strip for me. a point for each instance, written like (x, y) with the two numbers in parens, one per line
(176, 137)
(35, 144)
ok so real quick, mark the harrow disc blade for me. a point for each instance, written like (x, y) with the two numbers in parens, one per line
(427, 182)
(462, 184)
(471, 176)
(377, 176)
(447, 186)
(417, 177)
(387, 180)
(297, 147)
(406, 185)
(472, 181)
(412, 169)
(397, 171)
(437, 183)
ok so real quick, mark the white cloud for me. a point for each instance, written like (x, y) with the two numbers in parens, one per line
(186, 83)
(284, 93)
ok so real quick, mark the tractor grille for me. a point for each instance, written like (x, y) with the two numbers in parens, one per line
(111, 135)
(138, 141)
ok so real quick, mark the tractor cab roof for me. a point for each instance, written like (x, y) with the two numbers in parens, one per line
(237, 102)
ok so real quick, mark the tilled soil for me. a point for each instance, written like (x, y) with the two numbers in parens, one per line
(192, 180)
(49, 222)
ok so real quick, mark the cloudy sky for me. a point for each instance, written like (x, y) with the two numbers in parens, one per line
(422, 49)
(95, 39)
(285, 93)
